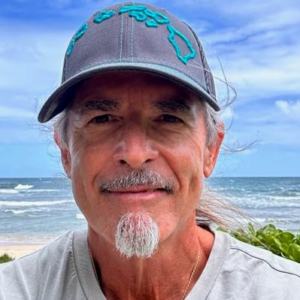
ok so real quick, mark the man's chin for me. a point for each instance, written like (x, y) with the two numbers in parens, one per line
(137, 235)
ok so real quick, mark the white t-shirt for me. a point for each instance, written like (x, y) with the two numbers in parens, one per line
(234, 270)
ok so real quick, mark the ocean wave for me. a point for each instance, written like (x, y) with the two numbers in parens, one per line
(283, 197)
(44, 190)
(18, 211)
(80, 216)
(272, 205)
(23, 187)
(266, 201)
(8, 191)
(33, 203)
(274, 220)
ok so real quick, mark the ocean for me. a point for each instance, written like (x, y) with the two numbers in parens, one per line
(37, 210)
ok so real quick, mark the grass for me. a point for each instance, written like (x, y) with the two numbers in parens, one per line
(5, 258)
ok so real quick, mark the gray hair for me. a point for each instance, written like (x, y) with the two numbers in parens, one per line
(60, 125)
(137, 235)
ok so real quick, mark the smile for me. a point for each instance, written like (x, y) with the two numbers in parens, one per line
(137, 193)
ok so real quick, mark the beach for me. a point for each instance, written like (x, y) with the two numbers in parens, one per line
(18, 251)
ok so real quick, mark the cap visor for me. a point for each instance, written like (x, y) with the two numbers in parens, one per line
(56, 102)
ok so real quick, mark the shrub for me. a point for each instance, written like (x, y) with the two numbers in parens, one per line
(5, 258)
(282, 243)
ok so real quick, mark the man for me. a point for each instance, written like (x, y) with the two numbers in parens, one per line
(137, 130)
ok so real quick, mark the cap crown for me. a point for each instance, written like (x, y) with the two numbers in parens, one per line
(137, 33)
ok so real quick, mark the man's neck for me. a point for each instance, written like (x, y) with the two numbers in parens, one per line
(169, 274)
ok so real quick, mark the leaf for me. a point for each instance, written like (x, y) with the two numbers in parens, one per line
(251, 229)
(270, 227)
(284, 248)
(297, 240)
(269, 239)
(294, 251)
(286, 237)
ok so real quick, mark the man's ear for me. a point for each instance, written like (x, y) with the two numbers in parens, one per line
(212, 152)
(65, 154)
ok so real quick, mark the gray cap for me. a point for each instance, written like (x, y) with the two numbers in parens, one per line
(137, 37)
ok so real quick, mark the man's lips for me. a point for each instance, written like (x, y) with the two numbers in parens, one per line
(137, 193)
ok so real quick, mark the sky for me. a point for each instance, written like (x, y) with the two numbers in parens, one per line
(253, 46)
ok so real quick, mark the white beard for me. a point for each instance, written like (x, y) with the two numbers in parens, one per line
(137, 235)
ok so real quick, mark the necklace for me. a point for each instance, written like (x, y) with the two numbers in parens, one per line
(186, 288)
(191, 276)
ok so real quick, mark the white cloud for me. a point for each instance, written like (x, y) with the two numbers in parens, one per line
(257, 43)
(283, 105)
(268, 124)
(262, 65)
(248, 151)
(237, 9)
(32, 58)
(289, 108)
(227, 114)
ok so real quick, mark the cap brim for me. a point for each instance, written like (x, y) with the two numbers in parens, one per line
(56, 103)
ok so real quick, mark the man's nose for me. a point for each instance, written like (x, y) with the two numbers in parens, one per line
(135, 148)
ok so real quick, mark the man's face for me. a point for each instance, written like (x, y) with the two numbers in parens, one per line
(120, 123)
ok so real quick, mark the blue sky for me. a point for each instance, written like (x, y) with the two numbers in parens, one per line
(258, 45)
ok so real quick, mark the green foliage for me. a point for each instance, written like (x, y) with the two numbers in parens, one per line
(5, 258)
(282, 243)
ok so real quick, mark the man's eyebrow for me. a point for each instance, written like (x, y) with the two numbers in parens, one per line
(102, 105)
(175, 105)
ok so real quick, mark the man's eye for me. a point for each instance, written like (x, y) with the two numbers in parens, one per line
(101, 119)
(170, 119)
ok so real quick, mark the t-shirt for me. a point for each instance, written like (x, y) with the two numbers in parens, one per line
(234, 270)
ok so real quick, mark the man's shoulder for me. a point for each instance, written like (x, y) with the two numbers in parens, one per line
(42, 272)
(255, 273)
(44, 255)
(236, 270)
(258, 257)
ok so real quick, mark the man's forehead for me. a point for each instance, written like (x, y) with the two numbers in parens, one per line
(112, 86)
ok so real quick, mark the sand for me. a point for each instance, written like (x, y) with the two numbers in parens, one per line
(19, 250)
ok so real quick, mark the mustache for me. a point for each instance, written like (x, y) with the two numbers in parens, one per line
(137, 178)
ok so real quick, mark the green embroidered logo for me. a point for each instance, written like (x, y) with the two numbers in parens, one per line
(80, 32)
(151, 23)
(138, 15)
(173, 32)
(104, 15)
(141, 13)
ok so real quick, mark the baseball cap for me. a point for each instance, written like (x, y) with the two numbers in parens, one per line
(135, 37)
